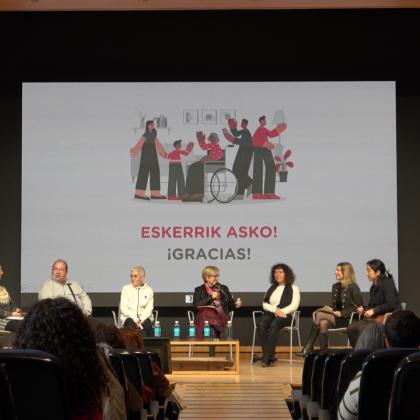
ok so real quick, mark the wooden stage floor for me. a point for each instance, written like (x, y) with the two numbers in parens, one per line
(256, 392)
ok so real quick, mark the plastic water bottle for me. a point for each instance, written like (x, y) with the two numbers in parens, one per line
(207, 332)
(229, 332)
(191, 330)
(157, 329)
(177, 330)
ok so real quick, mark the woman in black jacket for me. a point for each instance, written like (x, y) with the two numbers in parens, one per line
(383, 298)
(346, 297)
(213, 302)
(280, 301)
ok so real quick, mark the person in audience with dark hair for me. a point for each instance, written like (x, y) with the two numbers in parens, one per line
(60, 286)
(372, 337)
(133, 340)
(383, 298)
(136, 304)
(213, 302)
(280, 301)
(108, 338)
(58, 326)
(346, 296)
(8, 309)
(402, 329)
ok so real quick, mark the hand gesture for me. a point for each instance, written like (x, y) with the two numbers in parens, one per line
(200, 136)
(281, 127)
(369, 313)
(268, 145)
(133, 152)
(337, 314)
(280, 313)
(215, 295)
(232, 123)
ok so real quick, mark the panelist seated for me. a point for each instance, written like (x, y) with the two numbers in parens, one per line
(60, 286)
(383, 298)
(136, 304)
(280, 301)
(346, 297)
(213, 301)
(8, 309)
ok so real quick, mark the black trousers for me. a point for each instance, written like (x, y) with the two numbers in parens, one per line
(195, 178)
(268, 327)
(263, 156)
(176, 179)
(241, 167)
(147, 326)
(149, 166)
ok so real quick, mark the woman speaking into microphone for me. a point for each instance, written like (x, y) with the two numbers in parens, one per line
(213, 302)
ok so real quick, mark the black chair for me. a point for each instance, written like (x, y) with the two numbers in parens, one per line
(350, 365)
(37, 384)
(405, 400)
(118, 366)
(314, 404)
(7, 404)
(376, 382)
(330, 381)
(300, 397)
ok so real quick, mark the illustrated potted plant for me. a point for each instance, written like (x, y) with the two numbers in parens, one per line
(282, 165)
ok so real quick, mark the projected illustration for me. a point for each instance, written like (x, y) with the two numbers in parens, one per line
(245, 169)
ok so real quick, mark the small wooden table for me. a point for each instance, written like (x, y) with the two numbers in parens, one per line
(193, 359)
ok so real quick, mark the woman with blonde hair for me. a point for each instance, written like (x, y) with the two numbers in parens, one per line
(346, 297)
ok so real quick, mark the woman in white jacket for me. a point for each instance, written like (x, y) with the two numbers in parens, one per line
(136, 304)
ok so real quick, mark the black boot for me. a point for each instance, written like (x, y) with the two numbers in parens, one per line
(310, 343)
(323, 341)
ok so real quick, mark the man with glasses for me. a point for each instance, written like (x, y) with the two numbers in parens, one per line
(136, 304)
(60, 286)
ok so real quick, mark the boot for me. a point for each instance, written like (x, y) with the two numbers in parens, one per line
(310, 343)
(323, 341)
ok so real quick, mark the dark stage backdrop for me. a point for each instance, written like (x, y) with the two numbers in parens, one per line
(216, 46)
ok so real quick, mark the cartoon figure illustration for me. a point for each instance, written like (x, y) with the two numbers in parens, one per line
(264, 156)
(150, 146)
(176, 173)
(195, 175)
(243, 158)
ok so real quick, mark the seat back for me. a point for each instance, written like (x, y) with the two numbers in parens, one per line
(376, 382)
(405, 401)
(317, 375)
(118, 366)
(145, 363)
(307, 372)
(36, 381)
(330, 376)
(7, 403)
(350, 365)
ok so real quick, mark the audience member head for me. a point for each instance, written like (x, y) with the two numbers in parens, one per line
(132, 337)
(138, 276)
(344, 273)
(210, 275)
(402, 329)
(371, 338)
(58, 326)
(108, 334)
(375, 270)
(282, 274)
(59, 271)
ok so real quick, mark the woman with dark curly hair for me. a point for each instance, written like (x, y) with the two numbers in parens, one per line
(58, 326)
(280, 301)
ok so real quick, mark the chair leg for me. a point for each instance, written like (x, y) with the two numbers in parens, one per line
(290, 346)
(252, 348)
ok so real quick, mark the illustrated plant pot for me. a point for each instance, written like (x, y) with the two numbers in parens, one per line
(283, 176)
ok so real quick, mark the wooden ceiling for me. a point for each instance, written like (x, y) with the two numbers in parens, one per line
(153, 5)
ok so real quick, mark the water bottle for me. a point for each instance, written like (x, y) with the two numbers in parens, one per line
(229, 333)
(177, 330)
(207, 332)
(191, 330)
(157, 329)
